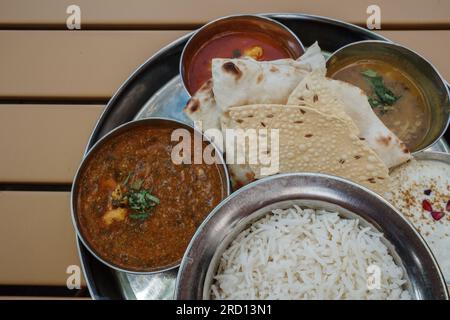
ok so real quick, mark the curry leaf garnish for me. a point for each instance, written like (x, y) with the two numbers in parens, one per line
(383, 98)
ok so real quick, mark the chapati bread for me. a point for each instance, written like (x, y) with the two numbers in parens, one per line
(202, 107)
(346, 101)
(314, 57)
(244, 81)
(310, 93)
(240, 173)
(311, 141)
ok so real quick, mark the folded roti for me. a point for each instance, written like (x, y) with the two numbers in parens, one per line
(306, 94)
(312, 141)
(238, 82)
(203, 106)
(350, 102)
(241, 174)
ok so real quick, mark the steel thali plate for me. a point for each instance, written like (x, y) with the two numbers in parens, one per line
(155, 89)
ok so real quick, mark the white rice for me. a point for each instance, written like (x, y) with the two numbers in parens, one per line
(307, 254)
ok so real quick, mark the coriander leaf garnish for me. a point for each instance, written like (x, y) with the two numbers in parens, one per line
(384, 98)
(137, 184)
(374, 102)
(236, 53)
(139, 216)
(125, 182)
(141, 202)
(370, 73)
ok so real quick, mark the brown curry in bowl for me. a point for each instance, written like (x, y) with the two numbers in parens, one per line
(134, 207)
(393, 95)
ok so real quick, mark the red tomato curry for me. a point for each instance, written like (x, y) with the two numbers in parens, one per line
(256, 45)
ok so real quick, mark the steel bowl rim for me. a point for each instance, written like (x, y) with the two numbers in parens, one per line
(429, 155)
(265, 17)
(426, 61)
(92, 151)
(232, 196)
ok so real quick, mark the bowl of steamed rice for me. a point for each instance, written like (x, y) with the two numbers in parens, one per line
(307, 236)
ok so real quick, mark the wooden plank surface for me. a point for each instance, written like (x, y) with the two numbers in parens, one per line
(176, 13)
(44, 143)
(37, 238)
(93, 64)
(85, 64)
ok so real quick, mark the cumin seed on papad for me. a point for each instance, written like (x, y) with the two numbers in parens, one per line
(311, 141)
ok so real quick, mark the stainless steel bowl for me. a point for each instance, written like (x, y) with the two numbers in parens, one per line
(237, 23)
(425, 75)
(149, 122)
(250, 203)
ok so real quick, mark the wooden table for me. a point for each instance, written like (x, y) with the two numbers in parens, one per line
(54, 84)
